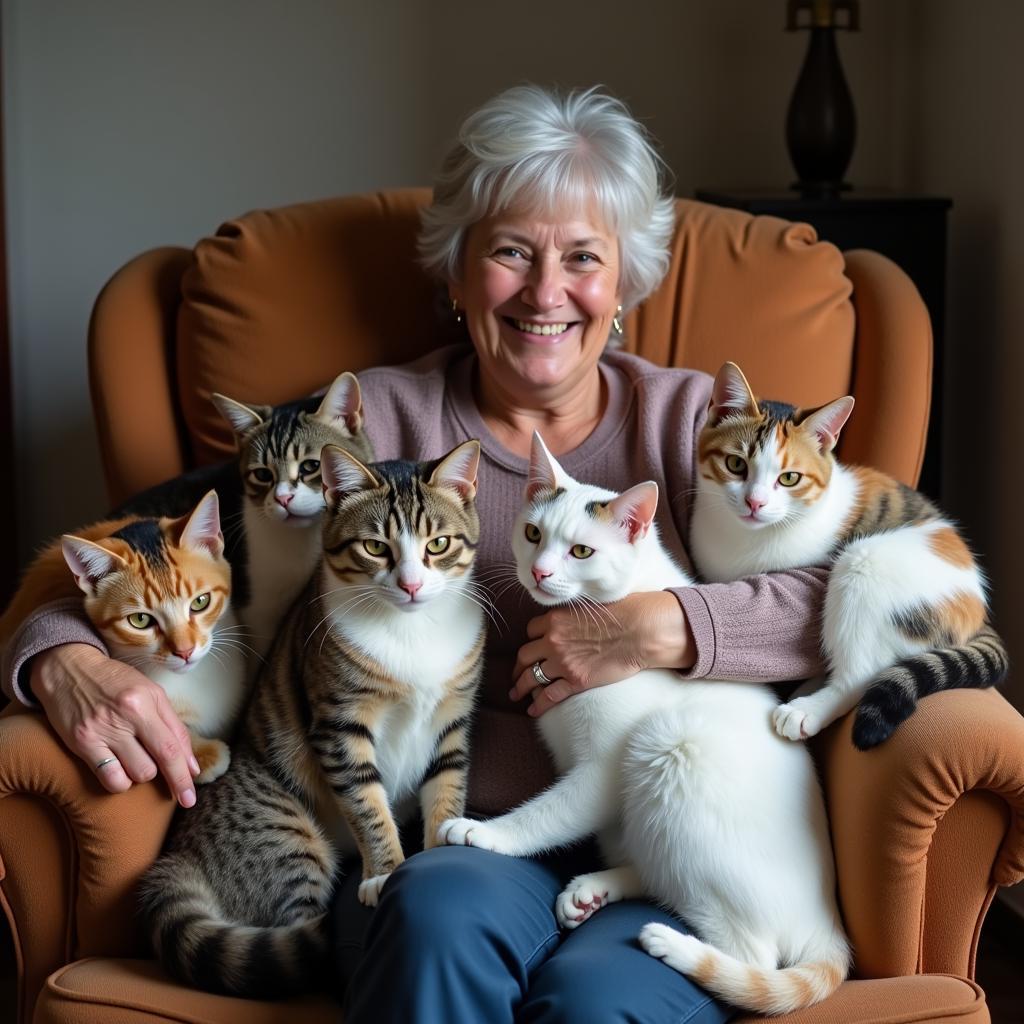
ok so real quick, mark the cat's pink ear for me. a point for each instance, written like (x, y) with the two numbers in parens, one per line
(242, 418)
(634, 509)
(343, 403)
(731, 395)
(826, 423)
(88, 562)
(201, 531)
(342, 473)
(545, 474)
(458, 469)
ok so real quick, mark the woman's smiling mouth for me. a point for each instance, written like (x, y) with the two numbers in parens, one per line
(538, 329)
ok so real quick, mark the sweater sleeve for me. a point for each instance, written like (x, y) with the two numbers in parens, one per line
(763, 628)
(53, 624)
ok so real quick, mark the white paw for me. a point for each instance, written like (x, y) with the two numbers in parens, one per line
(681, 952)
(795, 720)
(583, 897)
(466, 832)
(214, 757)
(370, 889)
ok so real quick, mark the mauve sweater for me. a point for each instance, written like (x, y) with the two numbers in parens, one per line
(762, 628)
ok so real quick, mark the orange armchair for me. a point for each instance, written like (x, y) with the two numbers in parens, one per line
(277, 303)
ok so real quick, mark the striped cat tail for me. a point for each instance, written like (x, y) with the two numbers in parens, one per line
(747, 986)
(199, 946)
(894, 693)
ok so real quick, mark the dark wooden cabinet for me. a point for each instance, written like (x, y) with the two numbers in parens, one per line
(909, 229)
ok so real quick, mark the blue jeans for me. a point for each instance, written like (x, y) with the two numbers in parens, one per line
(463, 936)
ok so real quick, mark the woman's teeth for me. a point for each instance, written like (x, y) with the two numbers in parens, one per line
(522, 325)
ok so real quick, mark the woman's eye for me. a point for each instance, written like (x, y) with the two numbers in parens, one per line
(140, 620)
(438, 545)
(735, 464)
(261, 475)
(309, 466)
(511, 252)
(584, 257)
(532, 533)
(580, 551)
(790, 479)
(374, 547)
(199, 603)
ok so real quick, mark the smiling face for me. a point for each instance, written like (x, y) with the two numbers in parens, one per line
(539, 296)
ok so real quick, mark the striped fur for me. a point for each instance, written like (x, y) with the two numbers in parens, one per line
(906, 612)
(158, 593)
(365, 703)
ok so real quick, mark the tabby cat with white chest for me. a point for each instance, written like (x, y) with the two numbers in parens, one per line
(361, 711)
(696, 801)
(905, 611)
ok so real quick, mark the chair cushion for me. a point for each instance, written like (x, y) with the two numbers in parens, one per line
(100, 991)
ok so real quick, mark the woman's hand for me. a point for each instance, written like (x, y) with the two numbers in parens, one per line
(102, 709)
(579, 649)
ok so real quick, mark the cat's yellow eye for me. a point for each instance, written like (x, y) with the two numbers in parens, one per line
(309, 466)
(735, 464)
(374, 547)
(140, 620)
(790, 479)
(580, 551)
(261, 475)
(532, 533)
(438, 545)
(199, 603)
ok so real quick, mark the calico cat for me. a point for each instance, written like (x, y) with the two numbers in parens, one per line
(696, 801)
(157, 592)
(272, 496)
(905, 610)
(364, 703)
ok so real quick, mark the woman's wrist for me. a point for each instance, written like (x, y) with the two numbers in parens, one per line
(668, 639)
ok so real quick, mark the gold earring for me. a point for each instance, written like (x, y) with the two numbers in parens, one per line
(617, 321)
(456, 311)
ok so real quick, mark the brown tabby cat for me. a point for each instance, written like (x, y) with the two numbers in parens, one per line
(365, 700)
(157, 591)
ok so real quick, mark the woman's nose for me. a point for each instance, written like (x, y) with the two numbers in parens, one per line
(545, 288)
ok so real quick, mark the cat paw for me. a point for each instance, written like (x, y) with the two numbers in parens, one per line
(794, 721)
(681, 952)
(466, 832)
(583, 897)
(370, 889)
(213, 756)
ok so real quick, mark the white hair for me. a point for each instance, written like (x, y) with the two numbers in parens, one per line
(532, 149)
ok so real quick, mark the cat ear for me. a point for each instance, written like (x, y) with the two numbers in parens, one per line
(634, 509)
(201, 530)
(343, 402)
(242, 418)
(342, 474)
(545, 473)
(827, 421)
(730, 395)
(458, 469)
(88, 562)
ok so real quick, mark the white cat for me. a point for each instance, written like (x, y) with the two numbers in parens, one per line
(696, 801)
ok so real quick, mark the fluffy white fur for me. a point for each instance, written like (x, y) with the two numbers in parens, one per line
(697, 802)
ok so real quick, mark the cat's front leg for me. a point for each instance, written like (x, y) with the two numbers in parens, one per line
(443, 790)
(576, 806)
(585, 895)
(213, 756)
(804, 717)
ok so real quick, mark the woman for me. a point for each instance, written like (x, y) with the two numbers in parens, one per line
(547, 221)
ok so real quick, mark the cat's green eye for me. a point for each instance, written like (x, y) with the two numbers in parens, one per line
(790, 479)
(140, 620)
(261, 475)
(199, 603)
(532, 533)
(309, 466)
(438, 545)
(735, 464)
(374, 547)
(580, 551)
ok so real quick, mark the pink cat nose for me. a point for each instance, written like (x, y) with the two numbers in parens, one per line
(283, 499)
(410, 588)
(539, 574)
(754, 505)
(185, 653)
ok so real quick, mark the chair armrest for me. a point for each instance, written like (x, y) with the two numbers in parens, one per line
(924, 828)
(70, 853)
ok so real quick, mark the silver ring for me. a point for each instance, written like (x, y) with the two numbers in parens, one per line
(105, 762)
(540, 676)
